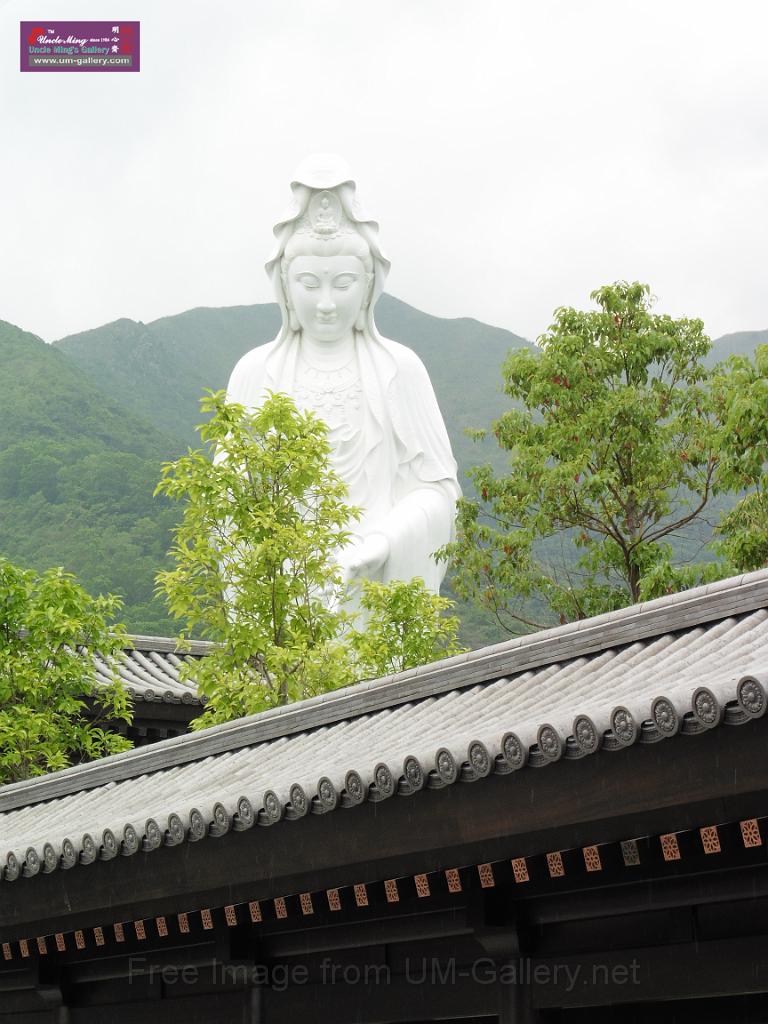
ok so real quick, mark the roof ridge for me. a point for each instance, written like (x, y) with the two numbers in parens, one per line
(168, 644)
(679, 611)
(629, 613)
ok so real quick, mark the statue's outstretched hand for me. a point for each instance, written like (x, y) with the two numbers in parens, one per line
(363, 557)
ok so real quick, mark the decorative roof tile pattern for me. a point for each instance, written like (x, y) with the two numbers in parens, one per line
(686, 664)
(149, 670)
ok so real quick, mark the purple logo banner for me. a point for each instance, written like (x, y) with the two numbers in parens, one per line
(80, 46)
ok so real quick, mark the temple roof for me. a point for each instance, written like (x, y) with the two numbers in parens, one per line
(150, 669)
(683, 664)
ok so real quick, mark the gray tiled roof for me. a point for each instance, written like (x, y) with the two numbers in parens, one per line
(685, 663)
(149, 670)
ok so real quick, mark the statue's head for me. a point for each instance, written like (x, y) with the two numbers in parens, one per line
(328, 269)
(326, 272)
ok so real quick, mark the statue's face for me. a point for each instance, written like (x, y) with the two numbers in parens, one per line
(327, 294)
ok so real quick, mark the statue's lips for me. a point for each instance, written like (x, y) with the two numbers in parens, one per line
(326, 319)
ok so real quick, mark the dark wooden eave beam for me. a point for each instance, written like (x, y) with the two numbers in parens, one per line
(680, 783)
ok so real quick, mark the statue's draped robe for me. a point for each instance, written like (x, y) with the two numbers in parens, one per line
(395, 456)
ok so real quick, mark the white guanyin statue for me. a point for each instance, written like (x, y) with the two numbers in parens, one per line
(389, 442)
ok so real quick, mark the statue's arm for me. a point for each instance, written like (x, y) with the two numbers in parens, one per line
(400, 546)
(423, 516)
(419, 523)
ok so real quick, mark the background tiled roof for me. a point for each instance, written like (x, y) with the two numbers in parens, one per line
(150, 670)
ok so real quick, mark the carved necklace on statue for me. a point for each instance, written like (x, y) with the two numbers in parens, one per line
(333, 393)
(326, 391)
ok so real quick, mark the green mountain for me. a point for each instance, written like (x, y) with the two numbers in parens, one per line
(77, 474)
(743, 343)
(85, 424)
(159, 370)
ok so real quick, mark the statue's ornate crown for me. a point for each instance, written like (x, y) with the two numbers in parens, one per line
(325, 217)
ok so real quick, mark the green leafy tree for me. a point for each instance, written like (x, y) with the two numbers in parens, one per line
(255, 552)
(52, 713)
(264, 514)
(614, 450)
(406, 626)
(741, 388)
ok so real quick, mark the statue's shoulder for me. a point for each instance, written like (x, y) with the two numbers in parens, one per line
(407, 361)
(247, 378)
(254, 359)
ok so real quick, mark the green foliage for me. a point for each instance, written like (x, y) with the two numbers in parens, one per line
(742, 393)
(406, 626)
(613, 449)
(254, 556)
(45, 684)
(263, 520)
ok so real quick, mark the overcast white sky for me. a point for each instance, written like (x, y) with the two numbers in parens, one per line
(517, 155)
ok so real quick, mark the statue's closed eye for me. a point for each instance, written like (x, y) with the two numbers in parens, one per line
(308, 280)
(344, 280)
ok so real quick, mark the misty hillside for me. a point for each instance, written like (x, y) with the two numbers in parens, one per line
(159, 370)
(77, 474)
(743, 343)
(86, 423)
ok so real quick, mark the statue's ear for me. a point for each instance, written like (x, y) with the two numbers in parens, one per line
(362, 315)
(293, 322)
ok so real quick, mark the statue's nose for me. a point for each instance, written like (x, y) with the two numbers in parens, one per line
(326, 305)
